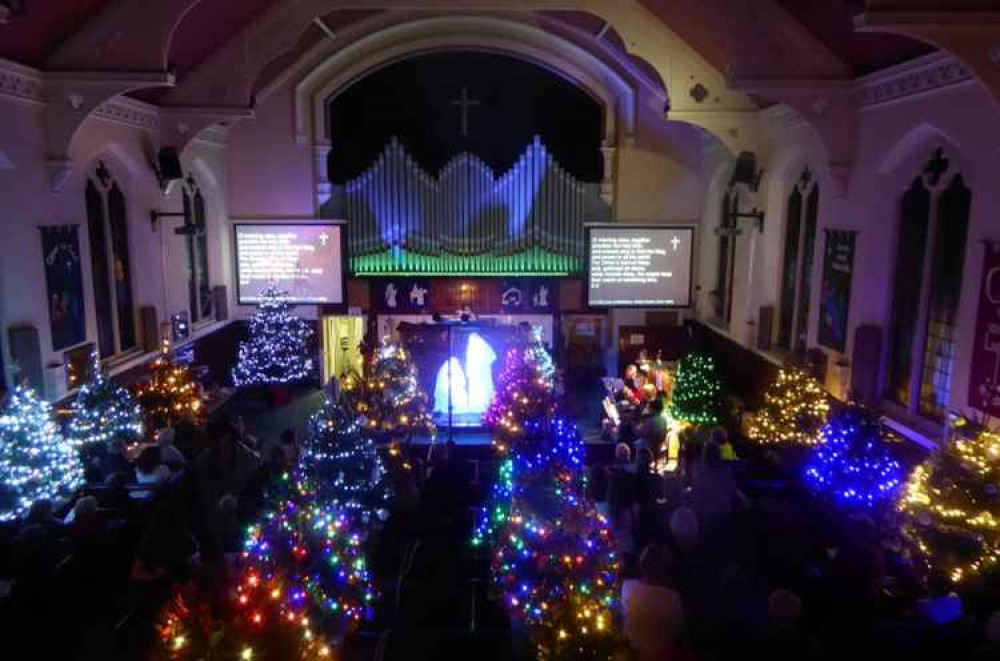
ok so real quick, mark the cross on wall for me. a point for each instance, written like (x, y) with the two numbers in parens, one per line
(464, 102)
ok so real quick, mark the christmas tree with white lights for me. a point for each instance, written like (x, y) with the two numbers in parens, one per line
(794, 412)
(343, 464)
(36, 461)
(103, 411)
(388, 397)
(278, 348)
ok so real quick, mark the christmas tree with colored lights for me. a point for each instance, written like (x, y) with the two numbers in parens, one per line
(697, 395)
(103, 411)
(304, 583)
(951, 508)
(169, 395)
(278, 348)
(794, 412)
(189, 629)
(387, 397)
(344, 464)
(525, 392)
(36, 461)
(854, 465)
(555, 559)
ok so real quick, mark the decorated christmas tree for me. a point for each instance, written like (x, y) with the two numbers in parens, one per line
(855, 464)
(304, 582)
(388, 397)
(697, 391)
(260, 627)
(35, 460)
(278, 348)
(951, 508)
(794, 411)
(555, 560)
(103, 411)
(342, 464)
(169, 395)
(525, 392)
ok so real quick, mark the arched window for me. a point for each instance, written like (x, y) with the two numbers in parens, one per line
(200, 302)
(796, 270)
(110, 263)
(930, 255)
(722, 295)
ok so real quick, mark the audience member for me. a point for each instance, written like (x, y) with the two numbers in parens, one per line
(684, 529)
(42, 513)
(714, 488)
(647, 491)
(785, 639)
(653, 613)
(289, 444)
(942, 605)
(117, 458)
(169, 454)
(150, 469)
(652, 429)
(720, 437)
(621, 497)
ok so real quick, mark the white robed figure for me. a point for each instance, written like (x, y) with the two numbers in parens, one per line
(459, 395)
(479, 359)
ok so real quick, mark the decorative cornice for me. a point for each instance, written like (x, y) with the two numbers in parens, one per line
(130, 112)
(916, 77)
(20, 82)
(782, 117)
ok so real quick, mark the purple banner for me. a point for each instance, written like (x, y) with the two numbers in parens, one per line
(984, 369)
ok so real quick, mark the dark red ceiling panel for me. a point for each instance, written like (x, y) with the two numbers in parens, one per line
(31, 36)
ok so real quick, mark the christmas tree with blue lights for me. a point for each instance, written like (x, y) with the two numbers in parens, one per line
(36, 461)
(103, 411)
(854, 465)
(278, 348)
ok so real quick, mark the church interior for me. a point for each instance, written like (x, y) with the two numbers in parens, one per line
(499, 329)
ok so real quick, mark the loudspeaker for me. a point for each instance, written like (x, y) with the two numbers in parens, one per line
(570, 295)
(745, 170)
(765, 327)
(220, 299)
(150, 328)
(168, 165)
(26, 352)
(865, 363)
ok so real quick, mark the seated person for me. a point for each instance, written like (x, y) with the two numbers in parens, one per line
(169, 454)
(632, 392)
(653, 610)
(942, 606)
(150, 469)
(720, 437)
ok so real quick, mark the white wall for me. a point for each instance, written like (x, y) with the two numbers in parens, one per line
(893, 142)
(27, 201)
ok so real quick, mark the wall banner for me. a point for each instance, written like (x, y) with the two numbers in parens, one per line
(984, 368)
(835, 297)
(64, 285)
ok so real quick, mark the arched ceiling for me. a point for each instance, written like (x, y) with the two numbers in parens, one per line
(30, 38)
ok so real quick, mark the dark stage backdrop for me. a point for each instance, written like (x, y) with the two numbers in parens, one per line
(412, 100)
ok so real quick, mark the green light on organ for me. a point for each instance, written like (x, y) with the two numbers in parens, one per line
(534, 261)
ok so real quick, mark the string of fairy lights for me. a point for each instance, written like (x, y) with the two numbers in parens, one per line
(697, 391)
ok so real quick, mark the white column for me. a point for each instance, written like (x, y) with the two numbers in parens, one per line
(608, 182)
(321, 152)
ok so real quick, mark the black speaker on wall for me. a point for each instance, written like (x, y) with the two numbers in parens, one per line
(168, 165)
(220, 299)
(26, 353)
